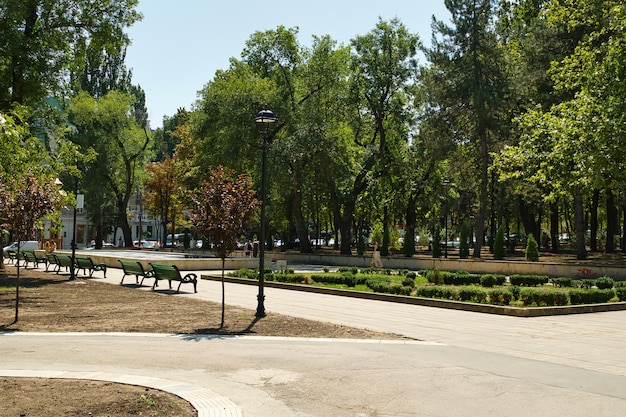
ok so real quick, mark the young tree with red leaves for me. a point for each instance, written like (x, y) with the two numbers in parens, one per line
(23, 203)
(223, 206)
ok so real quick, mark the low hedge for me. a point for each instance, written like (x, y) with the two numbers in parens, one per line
(500, 297)
(528, 280)
(543, 297)
(591, 296)
(431, 291)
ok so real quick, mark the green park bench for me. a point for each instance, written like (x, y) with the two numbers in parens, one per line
(52, 262)
(12, 256)
(135, 268)
(172, 273)
(63, 261)
(34, 258)
(87, 264)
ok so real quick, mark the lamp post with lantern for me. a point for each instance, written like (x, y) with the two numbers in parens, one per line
(265, 121)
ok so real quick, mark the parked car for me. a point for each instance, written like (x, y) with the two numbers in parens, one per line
(25, 245)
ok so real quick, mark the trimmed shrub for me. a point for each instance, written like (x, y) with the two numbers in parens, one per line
(529, 280)
(473, 294)
(543, 298)
(436, 240)
(604, 283)
(490, 280)
(408, 281)
(498, 244)
(561, 282)
(465, 278)
(532, 249)
(500, 297)
(289, 278)
(592, 296)
(430, 291)
(620, 291)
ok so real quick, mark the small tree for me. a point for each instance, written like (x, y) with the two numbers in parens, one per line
(437, 243)
(223, 207)
(498, 244)
(23, 204)
(532, 249)
(464, 243)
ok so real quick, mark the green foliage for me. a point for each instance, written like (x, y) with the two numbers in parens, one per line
(445, 293)
(604, 283)
(528, 280)
(473, 294)
(436, 240)
(561, 281)
(360, 247)
(543, 297)
(464, 241)
(590, 296)
(620, 292)
(498, 244)
(532, 249)
(498, 296)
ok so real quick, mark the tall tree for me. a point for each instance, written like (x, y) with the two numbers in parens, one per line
(383, 73)
(468, 84)
(108, 125)
(37, 38)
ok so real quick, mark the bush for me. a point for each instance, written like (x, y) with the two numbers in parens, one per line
(490, 280)
(604, 283)
(289, 278)
(429, 291)
(434, 276)
(436, 240)
(543, 298)
(620, 292)
(532, 249)
(500, 297)
(561, 282)
(465, 278)
(408, 281)
(473, 294)
(528, 280)
(592, 296)
(498, 244)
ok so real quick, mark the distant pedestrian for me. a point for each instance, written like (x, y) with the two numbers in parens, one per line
(376, 262)
(248, 248)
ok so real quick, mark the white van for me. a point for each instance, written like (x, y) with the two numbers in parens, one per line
(25, 245)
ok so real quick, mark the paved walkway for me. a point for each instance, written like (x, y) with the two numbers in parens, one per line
(464, 364)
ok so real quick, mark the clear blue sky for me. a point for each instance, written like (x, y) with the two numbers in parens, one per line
(179, 45)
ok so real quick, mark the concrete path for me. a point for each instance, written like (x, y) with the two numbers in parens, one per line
(464, 364)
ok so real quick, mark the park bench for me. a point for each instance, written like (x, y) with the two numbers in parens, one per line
(135, 268)
(63, 261)
(34, 258)
(52, 262)
(11, 255)
(172, 273)
(87, 264)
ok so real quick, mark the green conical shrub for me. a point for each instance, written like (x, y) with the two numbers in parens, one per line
(532, 249)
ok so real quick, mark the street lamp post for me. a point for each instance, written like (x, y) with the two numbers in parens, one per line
(446, 184)
(264, 121)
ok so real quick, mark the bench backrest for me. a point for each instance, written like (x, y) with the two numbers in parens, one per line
(131, 267)
(51, 258)
(166, 271)
(64, 260)
(29, 255)
(83, 262)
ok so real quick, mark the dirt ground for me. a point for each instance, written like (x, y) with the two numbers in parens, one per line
(51, 303)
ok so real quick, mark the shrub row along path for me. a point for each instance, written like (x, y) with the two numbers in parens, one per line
(458, 363)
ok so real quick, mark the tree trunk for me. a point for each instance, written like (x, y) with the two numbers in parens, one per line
(527, 214)
(409, 233)
(484, 195)
(611, 221)
(554, 226)
(300, 223)
(594, 220)
(579, 222)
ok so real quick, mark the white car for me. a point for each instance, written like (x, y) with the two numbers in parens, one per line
(25, 245)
